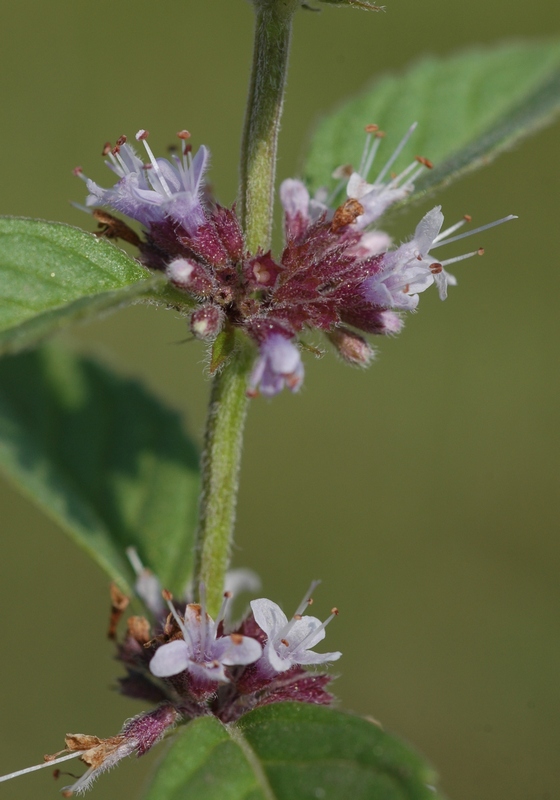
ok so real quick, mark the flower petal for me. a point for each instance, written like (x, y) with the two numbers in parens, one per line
(170, 659)
(268, 616)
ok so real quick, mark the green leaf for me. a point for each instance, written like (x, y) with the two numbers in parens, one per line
(469, 108)
(103, 458)
(52, 275)
(291, 751)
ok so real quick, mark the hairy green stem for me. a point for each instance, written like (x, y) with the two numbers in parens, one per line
(220, 473)
(228, 402)
(262, 121)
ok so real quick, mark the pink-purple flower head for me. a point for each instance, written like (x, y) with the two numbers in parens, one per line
(155, 191)
(336, 274)
(291, 642)
(202, 650)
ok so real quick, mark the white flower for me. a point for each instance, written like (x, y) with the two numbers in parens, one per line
(411, 268)
(202, 651)
(291, 642)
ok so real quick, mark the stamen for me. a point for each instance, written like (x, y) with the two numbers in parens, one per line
(41, 766)
(476, 230)
(68, 791)
(168, 597)
(369, 150)
(424, 161)
(135, 561)
(141, 136)
(406, 171)
(299, 610)
(396, 153)
(479, 252)
(79, 173)
(203, 617)
(371, 157)
(321, 627)
(223, 609)
(307, 598)
(452, 229)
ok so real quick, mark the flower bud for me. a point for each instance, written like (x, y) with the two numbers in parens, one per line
(351, 347)
(206, 322)
(189, 276)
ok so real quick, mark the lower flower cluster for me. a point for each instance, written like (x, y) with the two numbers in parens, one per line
(190, 665)
(205, 666)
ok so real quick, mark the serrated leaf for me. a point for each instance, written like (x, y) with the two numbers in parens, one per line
(103, 458)
(291, 751)
(469, 108)
(52, 275)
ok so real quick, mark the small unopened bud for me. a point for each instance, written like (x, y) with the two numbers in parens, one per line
(351, 347)
(189, 276)
(206, 322)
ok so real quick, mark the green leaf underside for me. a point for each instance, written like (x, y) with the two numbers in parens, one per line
(104, 459)
(52, 275)
(468, 108)
(290, 751)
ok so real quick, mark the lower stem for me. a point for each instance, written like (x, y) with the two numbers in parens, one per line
(220, 474)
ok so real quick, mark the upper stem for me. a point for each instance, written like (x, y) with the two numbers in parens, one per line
(273, 27)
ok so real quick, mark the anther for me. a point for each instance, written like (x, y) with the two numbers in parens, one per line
(480, 251)
(436, 268)
(310, 601)
(285, 642)
(184, 135)
(142, 135)
(167, 596)
(335, 611)
(467, 218)
(121, 140)
(107, 147)
(116, 150)
(424, 161)
(297, 617)
(77, 171)
(236, 638)
(371, 128)
(227, 595)
(380, 134)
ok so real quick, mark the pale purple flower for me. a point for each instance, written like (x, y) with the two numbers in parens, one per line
(147, 586)
(411, 268)
(201, 651)
(300, 209)
(290, 642)
(155, 191)
(278, 365)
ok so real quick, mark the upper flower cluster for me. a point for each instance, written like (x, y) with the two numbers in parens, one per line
(336, 273)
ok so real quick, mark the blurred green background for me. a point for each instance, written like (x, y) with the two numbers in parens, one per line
(423, 492)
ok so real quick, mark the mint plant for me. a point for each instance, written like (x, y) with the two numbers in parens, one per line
(246, 701)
